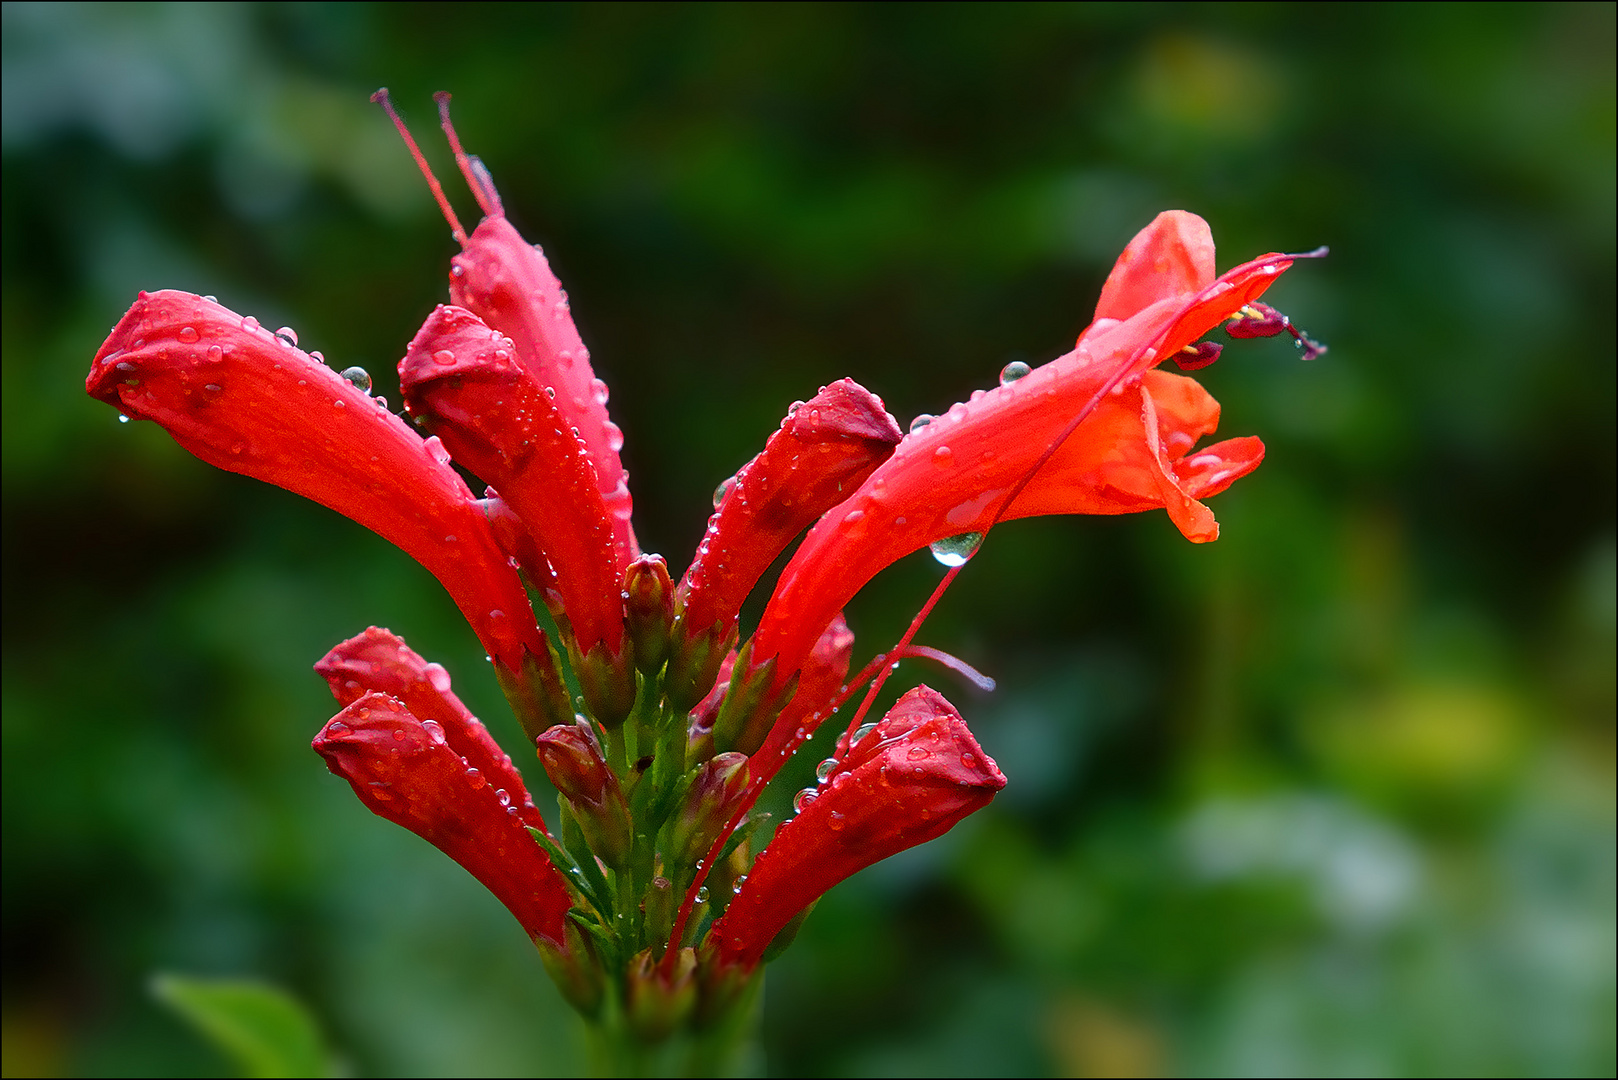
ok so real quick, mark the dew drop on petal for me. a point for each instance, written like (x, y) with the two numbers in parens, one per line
(955, 550)
(918, 753)
(920, 422)
(1013, 371)
(824, 770)
(438, 677)
(854, 517)
(615, 435)
(702, 895)
(802, 799)
(475, 778)
(359, 377)
(211, 299)
(444, 357)
(287, 335)
(864, 730)
(318, 357)
(943, 457)
(835, 822)
(598, 390)
(337, 727)
(123, 419)
(503, 795)
(215, 354)
(249, 324)
(722, 490)
(433, 728)
(189, 335)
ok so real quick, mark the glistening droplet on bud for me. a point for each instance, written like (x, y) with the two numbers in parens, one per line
(359, 377)
(722, 490)
(955, 550)
(921, 421)
(1013, 371)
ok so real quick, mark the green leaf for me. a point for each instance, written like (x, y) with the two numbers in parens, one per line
(263, 1029)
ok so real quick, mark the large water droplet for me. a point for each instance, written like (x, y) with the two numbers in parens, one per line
(211, 299)
(287, 335)
(722, 490)
(918, 753)
(921, 421)
(955, 550)
(122, 419)
(864, 730)
(337, 727)
(615, 435)
(189, 335)
(702, 895)
(802, 799)
(438, 677)
(250, 324)
(1013, 371)
(835, 823)
(598, 390)
(444, 357)
(359, 377)
(503, 795)
(943, 457)
(824, 770)
(475, 778)
(318, 357)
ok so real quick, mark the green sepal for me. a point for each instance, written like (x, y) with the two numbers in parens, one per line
(538, 693)
(694, 665)
(749, 688)
(593, 892)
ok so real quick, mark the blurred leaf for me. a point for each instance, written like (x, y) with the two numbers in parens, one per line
(263, 1029)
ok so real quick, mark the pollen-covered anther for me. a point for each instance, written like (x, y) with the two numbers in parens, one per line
(1258, 320)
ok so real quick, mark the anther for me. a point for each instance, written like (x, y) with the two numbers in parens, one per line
(381, 98)
(1258, 320)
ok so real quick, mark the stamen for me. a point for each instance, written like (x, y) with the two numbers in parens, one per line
(1258, 320)
(477, 177)
(381, 98)
(1200, 355)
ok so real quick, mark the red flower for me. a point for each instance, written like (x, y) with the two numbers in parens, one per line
(684, 726)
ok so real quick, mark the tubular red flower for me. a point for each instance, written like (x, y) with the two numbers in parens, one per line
(1016, 452)
(822, 677)
(822, 452)
(378, 661)
(404, 769)
(913, 776)
(250, 402)
(498, 421)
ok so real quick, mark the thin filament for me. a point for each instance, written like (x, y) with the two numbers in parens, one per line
(477, 177)
(381, 98)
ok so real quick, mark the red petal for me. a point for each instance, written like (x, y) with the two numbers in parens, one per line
(509, 284)
(1213, 469)
(1171, 256)
(404, 770)
(498, 421)
(239, 398)
(822, 452)
(378, 661)
(909, 780)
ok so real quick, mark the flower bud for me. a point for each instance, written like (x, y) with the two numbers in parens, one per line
(573, 761)
(649, 611)
(717, 785)
(659, 1002)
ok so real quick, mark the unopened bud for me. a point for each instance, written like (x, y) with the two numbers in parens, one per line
(694, 665)
(660, 1003)
(575, 969)
(572, 759)
(717, 785)
(607, 682)
(649, 611)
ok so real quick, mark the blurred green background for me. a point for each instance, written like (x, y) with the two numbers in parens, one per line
(1334, 795)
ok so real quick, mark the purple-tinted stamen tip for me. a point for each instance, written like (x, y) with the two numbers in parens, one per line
(1200, 355)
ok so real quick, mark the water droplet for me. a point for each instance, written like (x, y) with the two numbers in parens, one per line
(943, 457)
(287, 335)
(615, 435)
(433, 728)
(918, 753)
(864, 730)
(598, 390)
(337, 727)
(955, 550)
(359, 377)
(122, 419)
(250, 324)
(438, 677)
(824, 770)
(475, 778)
(215, 354)
(381, 402)
(444, 357)
(969, 760)
(457, 269)
(854, 517)
(836, 821)
(921, 421)
(802, 799)
(1013, 371)
(213, 388)
(737, 888)
(211, 299)
(318, 357)
(702, 895)
(399, 734)
(189, 335)
(503, 795)
(722, 490)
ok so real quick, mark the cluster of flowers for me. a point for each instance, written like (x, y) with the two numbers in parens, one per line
(648, 898)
